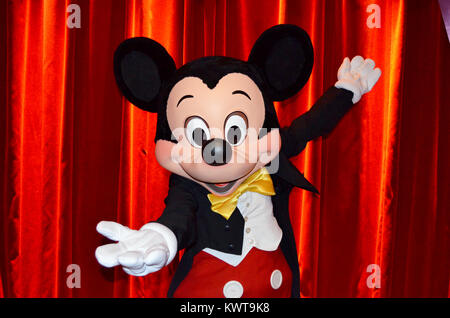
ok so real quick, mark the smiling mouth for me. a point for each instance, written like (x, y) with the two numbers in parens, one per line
(216, 187)
(221, 187)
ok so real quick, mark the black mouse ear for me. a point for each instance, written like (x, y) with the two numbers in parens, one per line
(141, 65)
(285, 55)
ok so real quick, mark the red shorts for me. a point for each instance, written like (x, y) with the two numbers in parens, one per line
(261, 274)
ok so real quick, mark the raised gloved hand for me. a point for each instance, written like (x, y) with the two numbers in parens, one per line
(357, 76)
(139, 252)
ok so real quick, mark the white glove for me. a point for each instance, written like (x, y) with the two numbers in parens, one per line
(139, 252)
(357, 76)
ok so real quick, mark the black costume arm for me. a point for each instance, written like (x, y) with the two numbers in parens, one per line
(318, 121)
(179, 214)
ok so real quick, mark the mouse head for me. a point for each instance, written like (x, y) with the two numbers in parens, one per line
(216, 119)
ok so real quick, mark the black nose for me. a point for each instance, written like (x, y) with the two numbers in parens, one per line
(216, 152)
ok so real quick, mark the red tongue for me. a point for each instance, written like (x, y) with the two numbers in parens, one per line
(220, 184)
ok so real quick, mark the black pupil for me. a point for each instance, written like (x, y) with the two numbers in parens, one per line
(199, 136)
(234, 135)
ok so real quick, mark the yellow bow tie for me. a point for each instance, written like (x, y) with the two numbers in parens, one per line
(259, 182)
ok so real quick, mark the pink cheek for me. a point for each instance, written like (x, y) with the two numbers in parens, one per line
(165, 153)
(170, 154)
(269, 146)
(244, 152)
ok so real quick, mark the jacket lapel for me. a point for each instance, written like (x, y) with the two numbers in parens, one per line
(290, 173)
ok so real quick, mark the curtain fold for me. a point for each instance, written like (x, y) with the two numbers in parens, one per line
(73, 152)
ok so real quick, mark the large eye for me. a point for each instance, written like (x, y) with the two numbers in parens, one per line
(236, 128)
(197, 131)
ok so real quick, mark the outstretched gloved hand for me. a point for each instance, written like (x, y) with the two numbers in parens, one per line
(139, 252)
(357, 76)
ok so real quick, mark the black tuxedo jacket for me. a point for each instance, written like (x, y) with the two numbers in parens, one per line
(188, 211)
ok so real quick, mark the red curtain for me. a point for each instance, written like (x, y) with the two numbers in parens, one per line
(73, 152)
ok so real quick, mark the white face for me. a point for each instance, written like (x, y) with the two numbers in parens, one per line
(231, 114)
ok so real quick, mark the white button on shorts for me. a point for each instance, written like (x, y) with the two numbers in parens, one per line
(276, 279)
(233, 289)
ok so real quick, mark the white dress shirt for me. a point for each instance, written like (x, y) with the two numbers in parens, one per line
(261, 229)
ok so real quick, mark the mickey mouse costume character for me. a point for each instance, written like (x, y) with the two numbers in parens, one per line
(218, 133)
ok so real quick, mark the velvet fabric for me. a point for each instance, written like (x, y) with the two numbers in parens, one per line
(74, 152)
